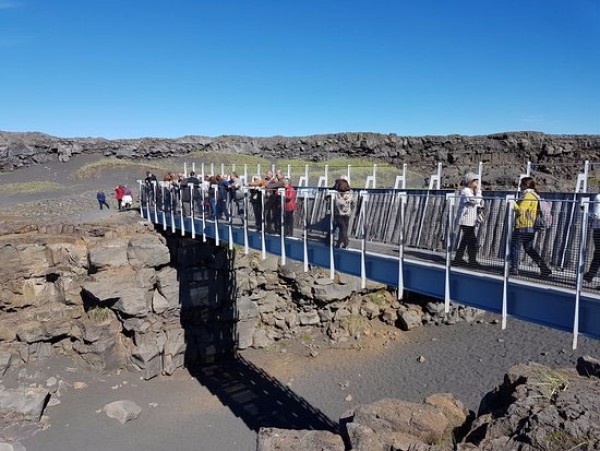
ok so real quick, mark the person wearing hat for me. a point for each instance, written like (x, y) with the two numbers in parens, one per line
(470, 203)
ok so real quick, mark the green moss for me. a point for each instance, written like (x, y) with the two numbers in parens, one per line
(379, 298)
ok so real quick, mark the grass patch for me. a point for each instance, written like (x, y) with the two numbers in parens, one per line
(29, 187)
(218, 163)
(306, 338)
(100, 314)
(114, 163)
(561, 440)
(552, 381)
(276, 346)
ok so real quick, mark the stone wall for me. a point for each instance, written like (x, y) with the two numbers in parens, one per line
(504, 154)
(122, 295)
(103, 294)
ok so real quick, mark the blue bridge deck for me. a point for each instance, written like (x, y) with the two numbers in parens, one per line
(536, 301)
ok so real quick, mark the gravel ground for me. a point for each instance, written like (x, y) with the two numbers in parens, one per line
(308, 384)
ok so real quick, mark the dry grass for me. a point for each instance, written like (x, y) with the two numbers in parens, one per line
(29, 187)
(114, 163)
(360, 168)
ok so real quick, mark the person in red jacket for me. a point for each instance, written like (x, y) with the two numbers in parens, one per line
(289, 208)
(119, 193)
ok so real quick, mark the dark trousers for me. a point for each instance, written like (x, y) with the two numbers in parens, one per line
(524, 237)
(288, 223)
(595, 265)
(103, 202)
(258, 212)
(468, 242)
(272, 215)
(342, 222)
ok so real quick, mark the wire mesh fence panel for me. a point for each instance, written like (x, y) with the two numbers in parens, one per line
(382, 216)
(426, 224)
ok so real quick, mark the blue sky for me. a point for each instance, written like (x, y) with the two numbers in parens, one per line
(125, 68)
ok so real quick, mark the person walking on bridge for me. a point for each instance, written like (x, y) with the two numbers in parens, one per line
(343, 205)
(526, 210)
(469, 206)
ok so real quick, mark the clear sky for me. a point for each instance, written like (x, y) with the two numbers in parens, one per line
(133, 68)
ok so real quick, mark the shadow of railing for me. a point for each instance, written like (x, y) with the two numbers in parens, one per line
(257, 398)
(209, 316)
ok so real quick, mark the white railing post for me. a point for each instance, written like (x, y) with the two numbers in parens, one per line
(203, 175)
(402, 197)
(215, 189)
(194, 166)
(172, 207)
(222, 169)
(326, 175)
(212, 169)
(289, 171)
(141, 197)
(164, 213)
(185, 173)
(245, 218)
(400, 182)
(331, 256)
(203, 197)
(281, 192)
(230, 220)
(154, 183)
(245, 173)
(363, 241)
(450, 199)
(509, 221)
(348, 174)
(193, 225)
(263, 250)
(305, 229)
(585, 206)
(374, 176)
(582, 178)
(258, 171)
(181, 215)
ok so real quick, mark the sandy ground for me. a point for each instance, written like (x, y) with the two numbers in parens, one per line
(295, 384)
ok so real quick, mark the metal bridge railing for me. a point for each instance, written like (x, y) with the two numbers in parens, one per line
(419, 224)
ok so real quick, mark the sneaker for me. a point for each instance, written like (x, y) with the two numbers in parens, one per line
(459, 262)
(588, 277)
(545, 272)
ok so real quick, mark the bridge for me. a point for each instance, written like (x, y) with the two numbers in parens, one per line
(406, 238)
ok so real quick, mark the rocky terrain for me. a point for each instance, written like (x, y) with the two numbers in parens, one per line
(558, 157)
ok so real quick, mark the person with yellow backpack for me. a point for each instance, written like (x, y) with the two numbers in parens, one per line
(526, 210)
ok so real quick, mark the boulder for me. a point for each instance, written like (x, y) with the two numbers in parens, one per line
(148, 251)
(397, 424)
(109, 254)
(273, 439)
(332, 292)
(409, 319)
(122, 411)
(26, 402)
